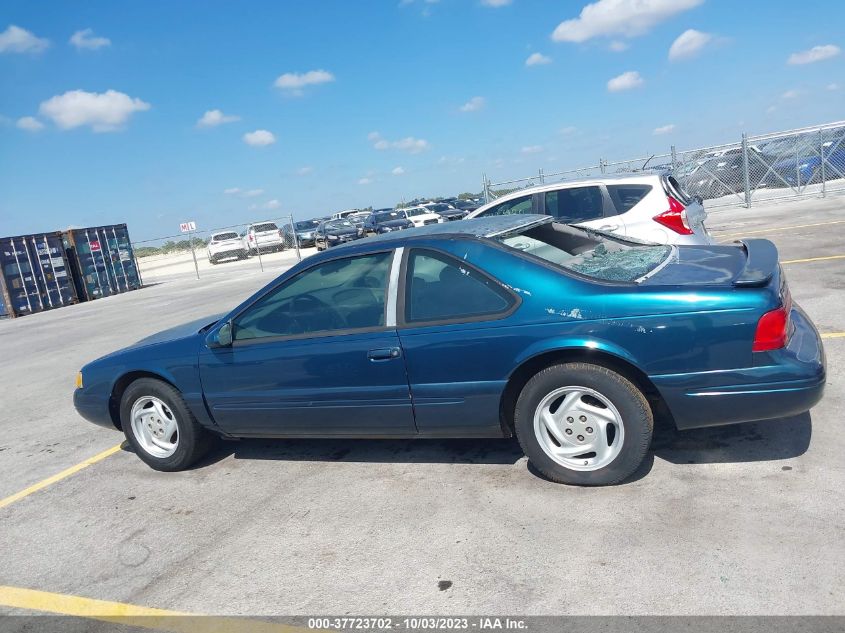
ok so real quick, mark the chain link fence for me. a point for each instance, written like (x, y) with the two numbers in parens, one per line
(794, 163)
(262, 245)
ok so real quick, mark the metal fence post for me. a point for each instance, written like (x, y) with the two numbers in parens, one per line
(295, 238)
(194, 253)
(542, 178)
(674, 159)
(484, 188)
(745, 177)
(601, 165)
(821, 152)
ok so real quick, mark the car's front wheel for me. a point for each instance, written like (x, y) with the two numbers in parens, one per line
(583, 424)
(160, 427)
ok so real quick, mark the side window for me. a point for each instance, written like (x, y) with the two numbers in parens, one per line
(440, 288)
(342, 294)
(577, 204)
(626, 197)
(511, 207)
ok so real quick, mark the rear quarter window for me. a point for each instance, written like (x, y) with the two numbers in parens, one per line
(626, 197)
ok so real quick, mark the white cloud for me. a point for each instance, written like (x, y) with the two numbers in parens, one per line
(532, 149)
(259, 138)
(271, 204)
(689, 44)
(474, 105)
(408, 144)
(213, 118)
(244, 193)
(569, 129)
(790, 94)
(770, 109)
(17, 40)
(304, 171)
(815, 54)
(495, 3)
(832, 86)
(537, 59)
(625, 81)
(397, 171)
(293, 83)
(617, 47)
(30, 124)
(664, 129)
(626, 18)
(365, 181)
(103, 112)
(85, 39)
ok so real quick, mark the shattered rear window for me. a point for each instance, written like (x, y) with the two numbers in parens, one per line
(618, 265)
(588, 253)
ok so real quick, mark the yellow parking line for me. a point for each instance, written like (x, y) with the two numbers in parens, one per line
(133, 615)
(833, 335)
(782, 228)
(58, 477)
(812, 259)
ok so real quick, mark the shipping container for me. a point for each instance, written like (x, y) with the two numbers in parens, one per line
(34, 274)
(102, 261)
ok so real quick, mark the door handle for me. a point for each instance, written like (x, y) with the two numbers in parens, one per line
(609, 227)
(384, 353)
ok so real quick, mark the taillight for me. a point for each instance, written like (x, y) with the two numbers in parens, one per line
(251, 237)
(675, 218)
(773, 327)
(281, 234)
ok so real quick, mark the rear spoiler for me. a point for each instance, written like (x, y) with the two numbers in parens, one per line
(760, 263)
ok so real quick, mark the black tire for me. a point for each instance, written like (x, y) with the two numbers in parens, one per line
(193, 440)
(637, 422)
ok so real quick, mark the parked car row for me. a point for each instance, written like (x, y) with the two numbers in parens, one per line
(647, 206)
(793, 161)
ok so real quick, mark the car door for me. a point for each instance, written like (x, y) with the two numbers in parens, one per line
(456, 343)
(315, 355)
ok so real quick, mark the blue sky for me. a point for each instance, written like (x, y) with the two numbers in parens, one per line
(367, 103)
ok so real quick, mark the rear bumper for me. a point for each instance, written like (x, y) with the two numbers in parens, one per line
(784, 383)
(234, 251)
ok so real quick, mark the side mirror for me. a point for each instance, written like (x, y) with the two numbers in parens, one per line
(222, 337)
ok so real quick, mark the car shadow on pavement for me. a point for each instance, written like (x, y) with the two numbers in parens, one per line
(783, 438)
(422, 451)
(768, 440)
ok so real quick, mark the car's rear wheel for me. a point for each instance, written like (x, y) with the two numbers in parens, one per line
(583, 424)
(160, 427)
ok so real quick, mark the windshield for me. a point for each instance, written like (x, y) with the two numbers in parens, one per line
(387, 217)
(307, 224)
(225, 236)
(416, 211)
(439, 207)
(587, 254)
(267, 226)
(339, 224)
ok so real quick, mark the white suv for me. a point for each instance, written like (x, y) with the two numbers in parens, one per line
(650, 207)
(263, 235)
(225, 245)
(420, 216)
